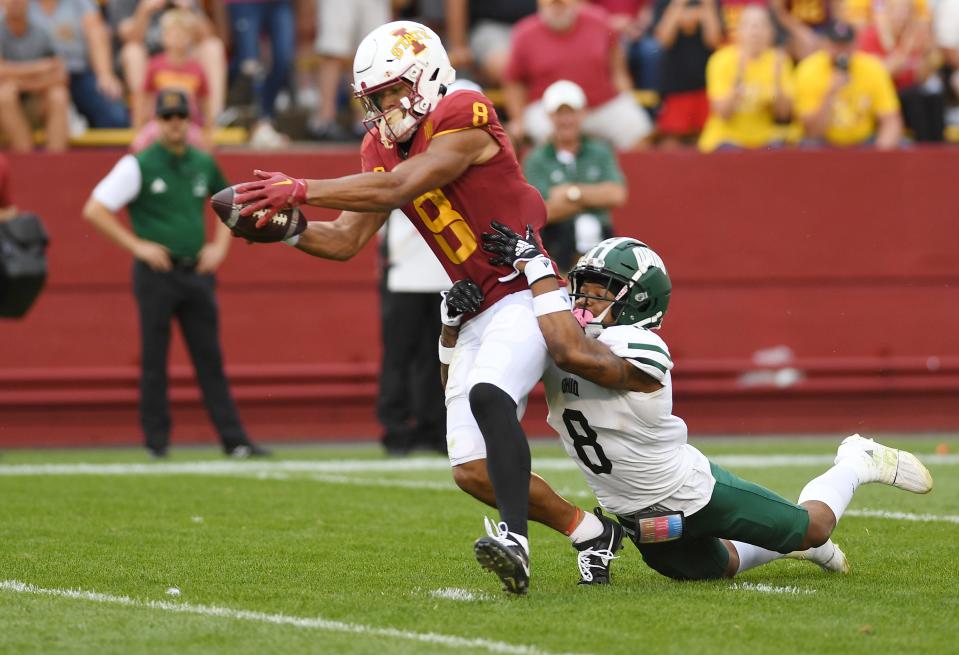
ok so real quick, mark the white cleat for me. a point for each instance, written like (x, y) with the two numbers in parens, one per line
(829, 557)
(877, 463)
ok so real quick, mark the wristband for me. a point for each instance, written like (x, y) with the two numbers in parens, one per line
(446, 354)
(538, 268)
(293, 240)
(550, 303)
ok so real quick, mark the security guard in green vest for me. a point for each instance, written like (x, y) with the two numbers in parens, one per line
(165, 188)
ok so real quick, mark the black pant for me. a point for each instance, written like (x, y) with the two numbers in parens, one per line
(191, 299)
(923, 113)
(411, 406)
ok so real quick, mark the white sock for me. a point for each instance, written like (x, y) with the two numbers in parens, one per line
(752, 556)
(822, 553)
(589, 528)
(835, 488)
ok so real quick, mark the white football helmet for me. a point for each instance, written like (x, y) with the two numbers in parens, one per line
(407, 52)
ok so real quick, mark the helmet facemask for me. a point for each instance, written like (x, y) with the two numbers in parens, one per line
(396, 124)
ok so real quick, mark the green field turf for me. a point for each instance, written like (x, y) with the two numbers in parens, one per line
(318, 551)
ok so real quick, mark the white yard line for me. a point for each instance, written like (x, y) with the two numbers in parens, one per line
(764, 588)
(214, 467)
(903, 516)
(455, 593)
(310, 623)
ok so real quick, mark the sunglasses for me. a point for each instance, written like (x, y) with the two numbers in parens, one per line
(167, 117)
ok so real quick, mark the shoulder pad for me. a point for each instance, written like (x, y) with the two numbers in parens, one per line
(643, 348)
(462, 110)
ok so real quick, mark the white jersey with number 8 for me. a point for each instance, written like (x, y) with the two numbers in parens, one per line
(629, 445)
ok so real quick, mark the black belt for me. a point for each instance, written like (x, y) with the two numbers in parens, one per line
(184, 264)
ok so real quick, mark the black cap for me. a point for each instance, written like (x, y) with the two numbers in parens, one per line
(840, 32)
(172, 101)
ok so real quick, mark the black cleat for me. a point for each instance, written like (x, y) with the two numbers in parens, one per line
(596, 554)
(247, 450)
(500, 553)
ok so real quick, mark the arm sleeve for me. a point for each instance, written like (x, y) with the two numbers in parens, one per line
(641, 348)
(120, 186)
(719, 74)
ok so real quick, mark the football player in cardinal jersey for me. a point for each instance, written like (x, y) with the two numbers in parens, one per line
(446, 161)
(609, 392)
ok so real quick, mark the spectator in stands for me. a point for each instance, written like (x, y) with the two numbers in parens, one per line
(166, 188)
(632, 20)
(750, 89)
(175, 68)
(136, 24)
(578, 177)
(341, 26)
(688, 31)
(801, 22)
(845, 97)
(82, 40)
(946, 26)
(411, 405)
(566, 39)
(478, 34)
(905, 45)
(30, 72)
(249, 19)
(731, 10)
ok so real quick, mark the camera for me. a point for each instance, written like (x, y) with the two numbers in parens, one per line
(841, 62)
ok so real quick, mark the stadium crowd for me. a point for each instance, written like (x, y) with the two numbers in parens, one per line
(720, 74)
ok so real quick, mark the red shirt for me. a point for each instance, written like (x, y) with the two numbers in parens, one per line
(540, 56)
(188, 77)
(4, 182)
(870, 42)
(452, 218)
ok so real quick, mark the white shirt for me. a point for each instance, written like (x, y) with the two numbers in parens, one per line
(121, 185)
(413, 268)
(629, 445)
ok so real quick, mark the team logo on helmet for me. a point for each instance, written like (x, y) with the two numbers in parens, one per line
(414, 40)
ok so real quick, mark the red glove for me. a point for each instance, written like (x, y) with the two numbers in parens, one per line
(272, 192)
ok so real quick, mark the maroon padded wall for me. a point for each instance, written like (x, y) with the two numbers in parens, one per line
(846, 260)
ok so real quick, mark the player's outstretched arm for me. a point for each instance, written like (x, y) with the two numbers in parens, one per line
(579, 354)
(566, 341)
(342, 238)
(447, 157)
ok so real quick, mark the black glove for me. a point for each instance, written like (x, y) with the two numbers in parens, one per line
(509, 248)
(464, 297)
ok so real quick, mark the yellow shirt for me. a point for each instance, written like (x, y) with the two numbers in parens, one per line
(870, 93)
(753, 124)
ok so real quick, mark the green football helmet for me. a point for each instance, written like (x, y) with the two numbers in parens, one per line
(635, 275)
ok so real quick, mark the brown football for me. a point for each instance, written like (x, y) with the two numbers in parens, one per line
(285, 223)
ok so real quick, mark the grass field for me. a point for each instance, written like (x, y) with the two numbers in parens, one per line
(338, 550)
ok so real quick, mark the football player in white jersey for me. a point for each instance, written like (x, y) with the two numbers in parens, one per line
(610, 399)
